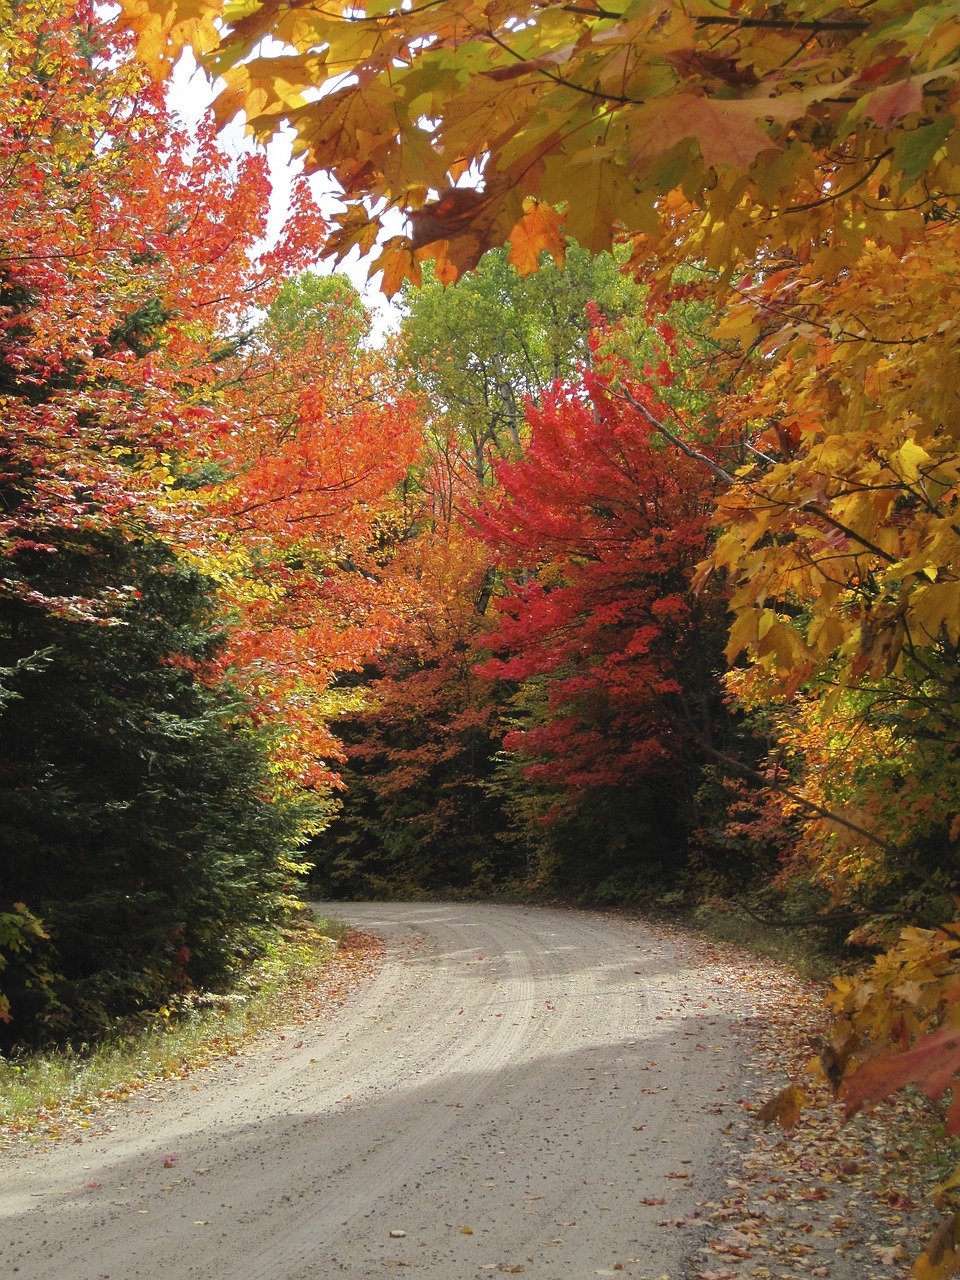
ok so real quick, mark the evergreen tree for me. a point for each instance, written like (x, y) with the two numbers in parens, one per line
(136, 819)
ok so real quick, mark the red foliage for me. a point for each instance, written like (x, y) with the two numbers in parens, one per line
(131, 256)
(128, 248)
(602, 524)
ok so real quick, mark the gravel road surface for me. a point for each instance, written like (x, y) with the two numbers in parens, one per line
(516, 1090)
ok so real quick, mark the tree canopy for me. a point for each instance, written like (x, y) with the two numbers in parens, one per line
(480, 121)
(484, 347)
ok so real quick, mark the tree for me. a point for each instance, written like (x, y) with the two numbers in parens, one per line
(478, 122)
(310, 303)
(417, 813)
(138, 820)
(127, 252)
(145, 846)
(482, 347)
(616, 658)
(300, 513)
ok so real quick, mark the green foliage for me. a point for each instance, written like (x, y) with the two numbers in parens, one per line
(136, 817)
(186, 1035)
(481, 348)
(602, 845)
(310, 303)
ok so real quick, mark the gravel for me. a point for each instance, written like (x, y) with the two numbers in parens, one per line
(514, 1090)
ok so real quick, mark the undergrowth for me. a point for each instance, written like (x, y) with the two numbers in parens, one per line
(63, 1088)
(809, 951)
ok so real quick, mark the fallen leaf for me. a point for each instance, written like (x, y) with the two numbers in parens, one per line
(888, 1255)
(726, 1246)
(466, 1231)
(897, 1200)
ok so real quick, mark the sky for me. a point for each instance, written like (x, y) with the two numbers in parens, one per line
(189, 94)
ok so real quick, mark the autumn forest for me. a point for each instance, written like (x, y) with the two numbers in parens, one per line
(626, 570)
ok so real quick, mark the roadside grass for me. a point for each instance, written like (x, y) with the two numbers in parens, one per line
(60, 1089)
(809, 951)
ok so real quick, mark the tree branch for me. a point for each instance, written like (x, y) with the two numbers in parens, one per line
(897, 854)
(677, 441)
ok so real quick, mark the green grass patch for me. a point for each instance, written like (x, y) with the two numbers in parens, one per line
(52, 1092)
(806, 950)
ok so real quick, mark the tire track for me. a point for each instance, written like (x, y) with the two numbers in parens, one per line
(512, 1089)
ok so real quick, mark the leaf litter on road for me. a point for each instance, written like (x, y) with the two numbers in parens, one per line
(809, 1194)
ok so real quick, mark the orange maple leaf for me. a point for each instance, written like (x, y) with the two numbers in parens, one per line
(541, 227)
(931, 1064)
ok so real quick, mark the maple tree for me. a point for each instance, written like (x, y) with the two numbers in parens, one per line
(615, 659)
(602, 541)
(125, 257)
(299, 511)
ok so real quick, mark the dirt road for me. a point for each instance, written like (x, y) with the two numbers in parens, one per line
(517, 1090)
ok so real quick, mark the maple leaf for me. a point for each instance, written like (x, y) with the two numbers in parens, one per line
(892, 102)
(452, 214)
(785, 1108)
(931, 1064)
(940, 1258)
(726, 130)
(541, 227)
(396, 263)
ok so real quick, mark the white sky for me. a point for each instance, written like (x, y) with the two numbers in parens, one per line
(189, 94)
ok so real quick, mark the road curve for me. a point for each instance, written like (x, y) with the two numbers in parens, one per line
(516, 1090)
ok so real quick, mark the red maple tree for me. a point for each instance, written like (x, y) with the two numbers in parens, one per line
(599, 528)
